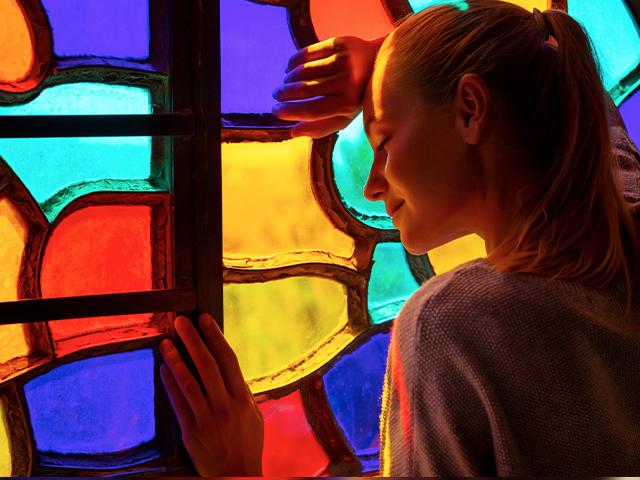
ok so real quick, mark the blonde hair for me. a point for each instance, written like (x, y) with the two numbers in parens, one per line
(576, 226)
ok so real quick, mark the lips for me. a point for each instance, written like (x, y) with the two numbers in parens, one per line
(394, 209)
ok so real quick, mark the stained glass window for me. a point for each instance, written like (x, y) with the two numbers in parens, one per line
(96, 220)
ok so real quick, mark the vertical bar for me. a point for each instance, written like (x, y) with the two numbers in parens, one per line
(208, 181)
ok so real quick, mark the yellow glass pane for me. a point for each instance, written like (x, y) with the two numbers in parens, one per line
(531, 4)
(452, 254)
(270, 217)
(5, 445)
(283, 329)
(13, 236)
(16, 54)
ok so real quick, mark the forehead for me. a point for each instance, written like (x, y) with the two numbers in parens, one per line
(380, 98)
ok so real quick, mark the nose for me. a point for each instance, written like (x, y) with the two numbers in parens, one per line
(376, 185)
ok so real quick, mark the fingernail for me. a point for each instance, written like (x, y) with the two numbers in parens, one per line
(165, 346)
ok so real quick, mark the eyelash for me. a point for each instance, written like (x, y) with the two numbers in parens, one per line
(382, 144)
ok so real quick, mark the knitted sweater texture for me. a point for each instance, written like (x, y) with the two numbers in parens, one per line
(495, 373)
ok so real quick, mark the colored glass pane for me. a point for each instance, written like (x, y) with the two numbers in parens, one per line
(274, 325)
(418, 5)
(99, 405)
(391, 283)
(13, 236)
(457, 252)
(352, 160)
(360, 18)
(5, 445)
(630, 111)
(16, 54)
(255, 46)
(354, 390)
(614, 34)
(117, 28)
(102, 249)
(270, 217)
(53, 169)
(290, 446)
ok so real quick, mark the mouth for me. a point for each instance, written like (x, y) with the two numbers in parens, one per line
(394, 209)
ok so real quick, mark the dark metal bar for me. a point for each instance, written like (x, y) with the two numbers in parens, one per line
(45, 126)
(208, 165)
(44, 309)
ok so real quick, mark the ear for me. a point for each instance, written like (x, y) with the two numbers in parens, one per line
(470, 107)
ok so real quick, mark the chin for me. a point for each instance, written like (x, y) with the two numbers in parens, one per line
(414, 248)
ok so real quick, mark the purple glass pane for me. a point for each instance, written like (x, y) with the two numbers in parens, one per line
(630, 110)
(255, 48)
(101, 28)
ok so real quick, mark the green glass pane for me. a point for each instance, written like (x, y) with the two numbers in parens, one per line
(614, 33)
(391, 283)
(274, 324)
(418, 5)
(352, 160)
(58, 170)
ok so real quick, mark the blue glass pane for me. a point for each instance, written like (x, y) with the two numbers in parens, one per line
(255, 48)
(48, 165)
(354, 390)
(630, 110)
(98, 405)
(391, 283)
(113, 28)
(352, 160)
(614, 33)
(418, 5)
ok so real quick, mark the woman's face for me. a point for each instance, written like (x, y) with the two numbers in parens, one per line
(423, 170)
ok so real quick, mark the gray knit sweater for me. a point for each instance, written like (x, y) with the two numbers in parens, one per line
(510, 374)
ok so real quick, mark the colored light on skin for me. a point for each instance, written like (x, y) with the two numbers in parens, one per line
(255, 47)
(114, 28)
(290, 446)
(48, 165)
(17, 52)
(359, 18)
(450, 255)
(13, 237)
(270, 216)
(98, 405)
(391, 283)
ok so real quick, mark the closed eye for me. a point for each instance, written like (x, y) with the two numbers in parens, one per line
(382, 144)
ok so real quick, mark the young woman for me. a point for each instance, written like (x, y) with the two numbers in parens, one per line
(484, 118)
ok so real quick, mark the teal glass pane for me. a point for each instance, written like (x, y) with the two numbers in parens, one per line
(58, 170)
(352, 160)
(391, 283)
(614, 33)
(418, 5)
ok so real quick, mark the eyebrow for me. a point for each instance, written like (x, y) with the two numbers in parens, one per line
(367, 125)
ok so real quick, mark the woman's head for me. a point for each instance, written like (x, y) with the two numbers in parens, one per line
(539, 103)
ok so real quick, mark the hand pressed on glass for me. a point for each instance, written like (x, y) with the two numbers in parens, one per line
(222, 427)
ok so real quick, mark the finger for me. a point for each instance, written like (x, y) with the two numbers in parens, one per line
(203, 360)
(314, 109)
(225, 356)
(332, 85)
(317, 68)
(311, 53)
(185, 381)
(320, 128)
(178, 402)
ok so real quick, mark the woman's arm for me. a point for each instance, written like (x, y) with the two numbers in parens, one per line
(324, 85)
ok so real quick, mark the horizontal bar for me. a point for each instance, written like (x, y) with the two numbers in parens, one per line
(43, 309)
(57, 126)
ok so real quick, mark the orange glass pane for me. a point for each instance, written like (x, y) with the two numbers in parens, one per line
(270, 217)
(102, 249)
(13, 236)
(17, 52)
(5, 445)
(360, 18)
(290, 446)
(457, 252)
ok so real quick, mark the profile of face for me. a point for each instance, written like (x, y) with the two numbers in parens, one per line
(424, 166)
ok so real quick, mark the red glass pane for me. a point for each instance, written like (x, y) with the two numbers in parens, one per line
(290, 446)
(360, 18)
(102, 249)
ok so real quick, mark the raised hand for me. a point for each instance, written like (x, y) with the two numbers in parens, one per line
(222, 427)
(324, 85)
